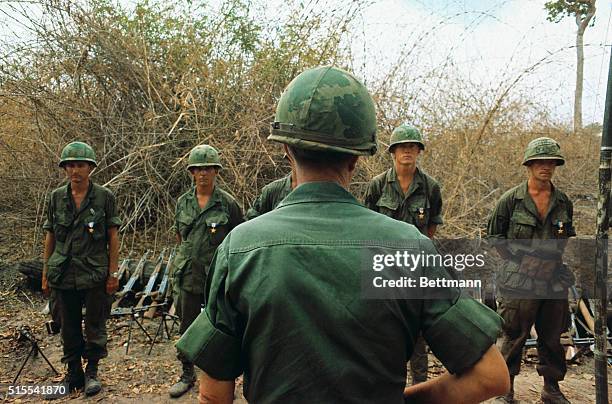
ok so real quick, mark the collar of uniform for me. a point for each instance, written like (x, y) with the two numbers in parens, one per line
(214, 198)
(522, 193)
(88, 197)
(288, 181)
(417, 181)
(324, 191)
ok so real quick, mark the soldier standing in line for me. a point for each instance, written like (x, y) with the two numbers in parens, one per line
(272, 194)
(204, 216)
(406, 193)
(80, 263)
(284, 299)
(530, 226)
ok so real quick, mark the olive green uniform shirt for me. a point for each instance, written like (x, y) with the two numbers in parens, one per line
(516, 218)
(201, 230)
(284, 306)
(80, 257)
(420, 206)
(270, 197)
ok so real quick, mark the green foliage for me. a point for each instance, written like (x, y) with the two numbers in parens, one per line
(559, 9)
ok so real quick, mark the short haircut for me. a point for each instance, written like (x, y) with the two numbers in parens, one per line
(320, 158)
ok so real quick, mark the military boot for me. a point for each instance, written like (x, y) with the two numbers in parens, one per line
(75, 379)
(551, 393)
(92, 384)
(185, 382)
(509, 397)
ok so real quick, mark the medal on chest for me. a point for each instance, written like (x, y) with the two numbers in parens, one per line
(560, 228)
(421, 214)
(213, 228)
(90, 225)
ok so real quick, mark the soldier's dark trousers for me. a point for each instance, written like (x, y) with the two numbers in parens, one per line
(418, 361)
(190, 305)
(550, 319)
(93, 345)
(54, 309)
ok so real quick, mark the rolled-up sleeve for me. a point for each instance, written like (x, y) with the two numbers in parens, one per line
(255, 209)
(474, 329)
(48, 224)
(214, 340)
(112, 217)
(436, 205)
(458, 329)
(571, 231)
(371, 196)
(236, 216)
(499, 220)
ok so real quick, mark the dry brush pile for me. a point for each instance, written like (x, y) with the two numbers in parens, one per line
(145, 86)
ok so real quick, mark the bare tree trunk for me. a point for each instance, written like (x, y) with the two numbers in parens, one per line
(582, 23)
(579, 79)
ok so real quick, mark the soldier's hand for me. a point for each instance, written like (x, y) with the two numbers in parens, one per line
(45, 286)
(112, 284)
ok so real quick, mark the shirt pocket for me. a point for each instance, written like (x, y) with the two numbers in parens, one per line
(185, 222)
(61, 227)
(98, 266)
(217, 226)
(522, 225)
(388, 205)
(182, 260)
(56, 265)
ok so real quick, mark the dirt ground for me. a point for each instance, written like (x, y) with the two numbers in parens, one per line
(139, 377)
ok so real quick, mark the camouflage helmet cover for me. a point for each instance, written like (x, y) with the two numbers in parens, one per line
(543, 148)
(78, 151)
(406, 133)
(204, 156)
(328, 109)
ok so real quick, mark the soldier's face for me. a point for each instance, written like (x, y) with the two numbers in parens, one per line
(542, 170)
(406, 153)
(204, 176)
(77, 171)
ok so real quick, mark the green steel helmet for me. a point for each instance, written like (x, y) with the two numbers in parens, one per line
(78, 151)
(406, 133)
(543, 148)
(328, 109)
(204, 156)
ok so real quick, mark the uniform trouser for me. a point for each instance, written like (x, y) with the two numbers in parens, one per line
(550, 319)
(176, 293)
(418, 361)
(54, 308)
(95, 300)
(190, 305)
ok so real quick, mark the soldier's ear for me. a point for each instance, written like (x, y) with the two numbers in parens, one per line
(352, 163)
(290, 155)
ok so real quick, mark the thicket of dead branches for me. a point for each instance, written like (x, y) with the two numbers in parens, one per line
(144, 87)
